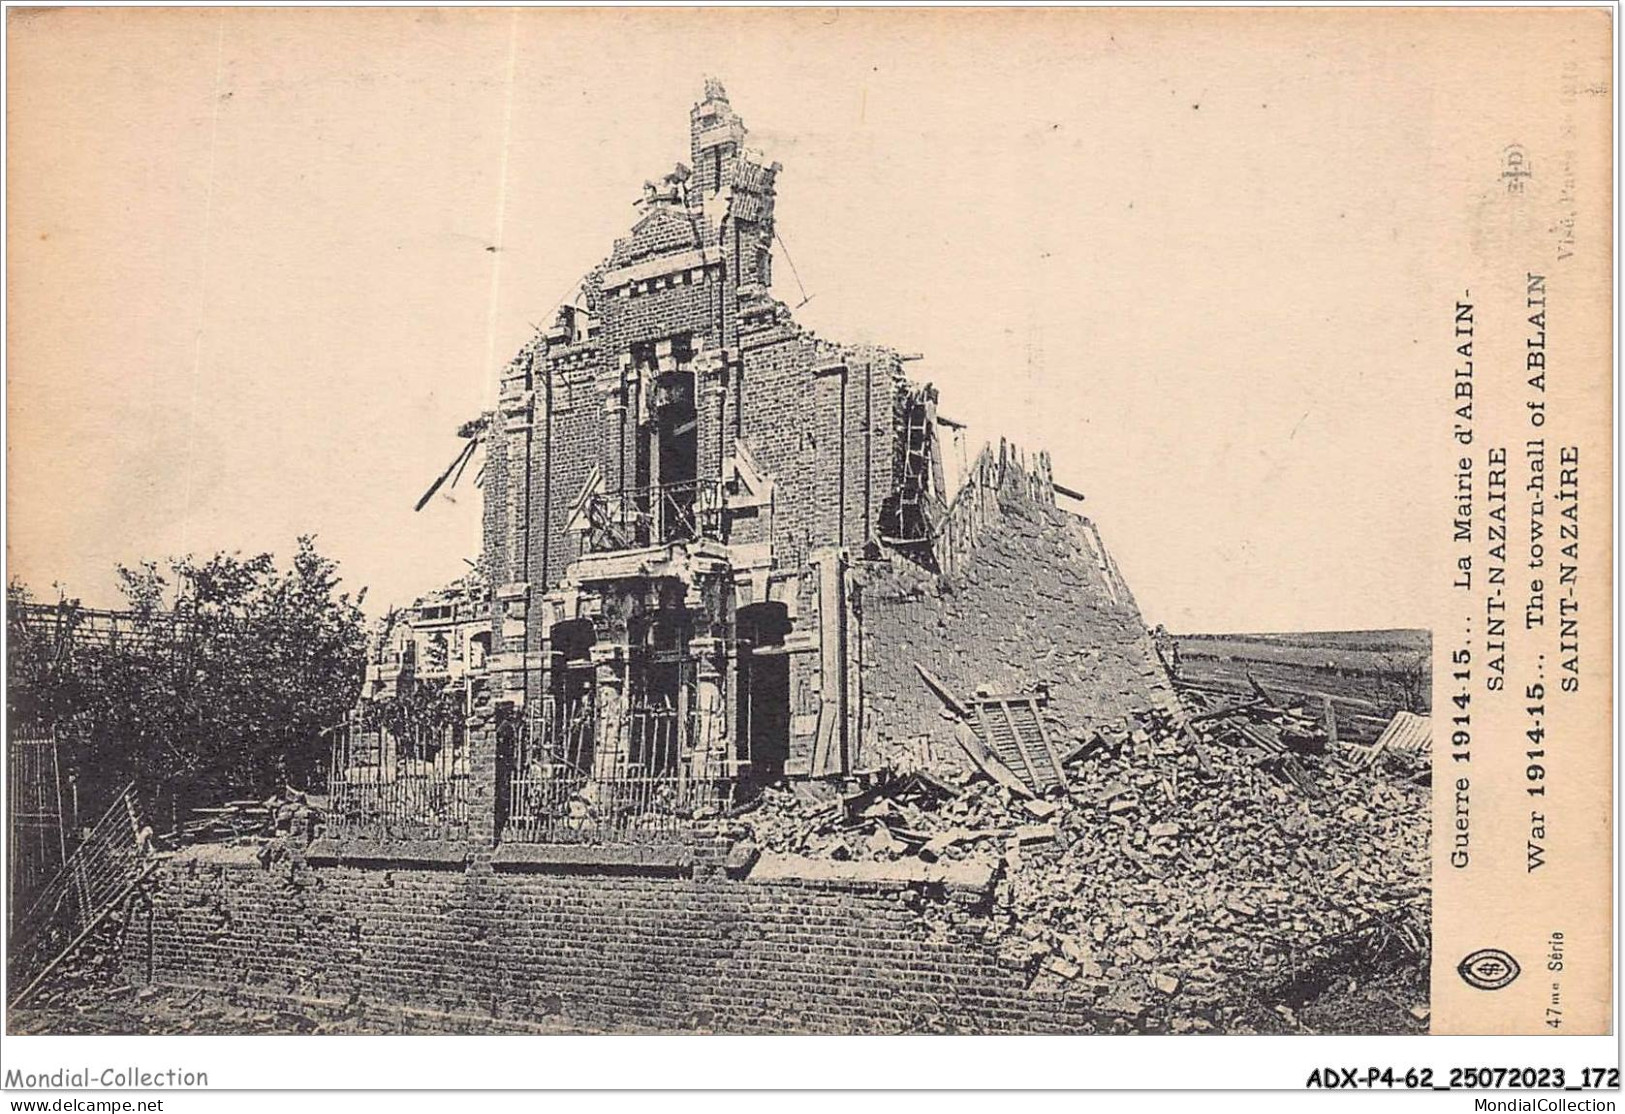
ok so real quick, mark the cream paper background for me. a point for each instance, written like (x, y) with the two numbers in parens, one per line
(1545, 90)
(1207, 257)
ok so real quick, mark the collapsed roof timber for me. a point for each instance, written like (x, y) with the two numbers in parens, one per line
(708, 534)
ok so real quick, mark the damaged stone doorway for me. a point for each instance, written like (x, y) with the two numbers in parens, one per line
(661, 697)
(764, 694)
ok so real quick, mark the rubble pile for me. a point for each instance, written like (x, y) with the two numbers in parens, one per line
(1213, 870)
(117, 1006)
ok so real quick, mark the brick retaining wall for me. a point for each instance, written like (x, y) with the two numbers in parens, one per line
(585, 946)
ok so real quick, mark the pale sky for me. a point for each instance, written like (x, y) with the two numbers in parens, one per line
(251, 292)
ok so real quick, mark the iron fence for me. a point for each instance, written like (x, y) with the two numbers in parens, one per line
(37, 838)
(636, 517)
(387, 785)
(636, 775)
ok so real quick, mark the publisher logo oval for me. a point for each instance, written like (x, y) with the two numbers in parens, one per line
(1488, 969)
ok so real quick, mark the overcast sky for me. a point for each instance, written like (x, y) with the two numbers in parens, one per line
(253, 293)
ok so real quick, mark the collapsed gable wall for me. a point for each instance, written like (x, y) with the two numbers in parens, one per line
(840, 452)
(1031, 597)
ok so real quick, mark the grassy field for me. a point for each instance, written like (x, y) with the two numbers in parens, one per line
(1368, 675)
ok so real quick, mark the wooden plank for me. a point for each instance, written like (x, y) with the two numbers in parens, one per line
(1199, 750)
(1049, 745)
(1220, 713)
(1017, 697)
(1031, 747)
(1254, 734)
(985, 751)
(987, 734)
(1015, 730)
(952, 702)
(988, 762)
(1328, 719)
(1263, 694)
(1022, 716)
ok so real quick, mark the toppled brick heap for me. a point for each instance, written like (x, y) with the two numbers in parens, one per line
(1194, 878)
(242, 819)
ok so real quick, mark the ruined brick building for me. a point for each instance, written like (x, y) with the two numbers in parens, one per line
(440, 638)
(703, 525)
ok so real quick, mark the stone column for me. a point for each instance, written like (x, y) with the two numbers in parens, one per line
(710, 398)
(610, 752)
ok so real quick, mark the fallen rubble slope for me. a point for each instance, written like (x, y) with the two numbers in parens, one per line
(1033, 599)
